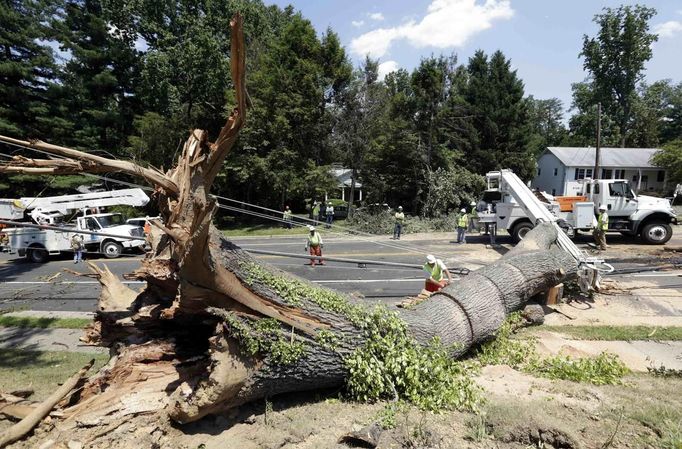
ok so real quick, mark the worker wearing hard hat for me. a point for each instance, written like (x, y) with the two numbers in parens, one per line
(399, 219)
(314, 244)
(473, 217)
(601, 228)
(437, 271)
(462, 223)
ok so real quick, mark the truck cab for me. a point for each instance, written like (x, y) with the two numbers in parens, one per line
(109, 223)
(629, 213)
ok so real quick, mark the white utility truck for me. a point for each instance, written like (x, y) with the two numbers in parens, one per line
(73, 213)
(629, 214)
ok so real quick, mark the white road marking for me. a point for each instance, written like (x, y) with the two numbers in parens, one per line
(61, 282)
(657, 275)
(366, 281)
(323, 281)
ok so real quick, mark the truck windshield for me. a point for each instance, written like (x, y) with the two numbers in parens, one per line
(620, 189)
(109, 221)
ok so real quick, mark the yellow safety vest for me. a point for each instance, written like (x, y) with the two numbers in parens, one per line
(399, 217)
(436, 272)
(315, 239)
(463, 221)
(603, 221)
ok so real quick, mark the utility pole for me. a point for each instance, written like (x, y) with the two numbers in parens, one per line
(595, 173)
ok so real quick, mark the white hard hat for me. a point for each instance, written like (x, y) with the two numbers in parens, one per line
(473, 203)
(463, 210)
(400, 207)
(431, 258)
(312, 228)
(602, 207)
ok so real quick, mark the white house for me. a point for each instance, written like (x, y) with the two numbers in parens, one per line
(343, 179)
(560, 168)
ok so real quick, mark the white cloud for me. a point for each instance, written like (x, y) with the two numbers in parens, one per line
(387, 67)
(376, 16)
(668, 29)
(358, 23)
(447, 23)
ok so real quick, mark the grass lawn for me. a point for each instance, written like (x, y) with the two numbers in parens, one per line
(42, 371)
(616, 333)
(44, 323)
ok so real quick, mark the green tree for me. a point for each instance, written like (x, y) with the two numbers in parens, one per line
(496, 97)
(27, 70)
(100, 76)
(546, 123)
(670, 158)
(615, 59)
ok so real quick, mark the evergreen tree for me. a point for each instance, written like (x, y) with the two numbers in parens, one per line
(27, 70)
(496, 96)
(99, 77)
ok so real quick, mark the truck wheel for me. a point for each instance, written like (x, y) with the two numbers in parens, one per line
(520, 230)
(112, 250)
(656, 233)
(37, 255)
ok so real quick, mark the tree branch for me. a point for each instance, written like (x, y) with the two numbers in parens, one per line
(228, 135)
(90, 163)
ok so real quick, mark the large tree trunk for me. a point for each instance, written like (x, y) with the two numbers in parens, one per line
(184, 346)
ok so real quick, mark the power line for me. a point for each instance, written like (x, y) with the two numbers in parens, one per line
(371, 238)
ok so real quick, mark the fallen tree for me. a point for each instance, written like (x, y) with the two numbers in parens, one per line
(213, 328)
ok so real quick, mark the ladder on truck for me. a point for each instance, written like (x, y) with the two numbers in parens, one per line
(589, 267)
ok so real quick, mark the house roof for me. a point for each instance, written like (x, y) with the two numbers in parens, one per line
(609, 157)
(342, 176)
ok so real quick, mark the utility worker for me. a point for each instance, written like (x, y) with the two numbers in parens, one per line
(436, 269)
(147, 228)
(314, 245)
(330, 215)
(399, 219)
(473, 217)
(77, 247)
(287, 216)
(316, 211)
(462, 223)
(602, 226)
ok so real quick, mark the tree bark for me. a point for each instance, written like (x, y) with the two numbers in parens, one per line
(179, 349)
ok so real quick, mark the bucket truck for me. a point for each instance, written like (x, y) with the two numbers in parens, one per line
(73, 213)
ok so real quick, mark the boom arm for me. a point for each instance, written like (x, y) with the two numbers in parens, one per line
(509, 183)
(14, 209)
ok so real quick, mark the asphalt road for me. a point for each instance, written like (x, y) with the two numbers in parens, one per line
(47, 286)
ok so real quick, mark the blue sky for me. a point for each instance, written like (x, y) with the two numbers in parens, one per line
(542, 37)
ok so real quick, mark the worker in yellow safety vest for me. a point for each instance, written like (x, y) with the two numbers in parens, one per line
(398, 226)
(436, 270)
(473, 217)
(287, 217)
(462, 223)
(314, 245)
(601, 228)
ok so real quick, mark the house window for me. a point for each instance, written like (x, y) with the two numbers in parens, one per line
(539, 171)
(619, 174)
(582, 173)
(556, 171)
(660, 176)
(645, 181)
(606, 173)
(634, 178)
(553, 191)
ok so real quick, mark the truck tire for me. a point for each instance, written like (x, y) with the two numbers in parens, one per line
(111, 249)
(656, 233)
(37, 255)
(520, 230)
